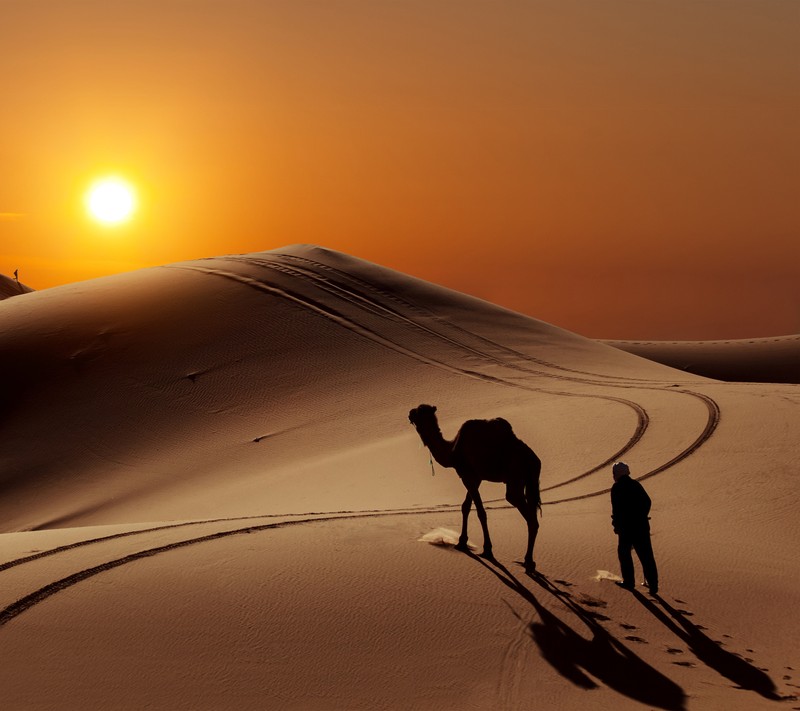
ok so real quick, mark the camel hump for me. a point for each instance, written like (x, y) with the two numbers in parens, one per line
(486, 441)
(503, 427)
(498, 429)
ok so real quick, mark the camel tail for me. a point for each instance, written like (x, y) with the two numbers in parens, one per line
(532, 471)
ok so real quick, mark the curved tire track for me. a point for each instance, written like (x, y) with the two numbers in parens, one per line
(28, 601)
(340, 319)
(712, 406)
(426, 313)
(639, 383)
(711, 425)
(309, 516)
(362, 301)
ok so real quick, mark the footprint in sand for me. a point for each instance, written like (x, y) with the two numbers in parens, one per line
(634, 638)
(565, 583)
(674, 650)
(684, 664)
(627, 627)
(590, 601)
(587, 601)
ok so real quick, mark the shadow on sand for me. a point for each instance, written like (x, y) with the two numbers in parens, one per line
(581, 660)
(743, 674)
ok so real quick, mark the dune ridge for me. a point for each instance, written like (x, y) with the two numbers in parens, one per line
(212, 498)
(754, 360)
(11, 287)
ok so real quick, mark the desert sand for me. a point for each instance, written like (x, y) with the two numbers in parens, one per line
(212, 498)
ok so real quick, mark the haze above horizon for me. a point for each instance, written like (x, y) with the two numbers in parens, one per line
(620, 169)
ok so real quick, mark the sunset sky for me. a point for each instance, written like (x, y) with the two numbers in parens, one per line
(620, 168)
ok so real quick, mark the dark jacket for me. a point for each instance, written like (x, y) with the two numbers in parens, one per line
(630, 507)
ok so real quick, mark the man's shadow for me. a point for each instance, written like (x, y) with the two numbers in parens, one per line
(578, 659)
(727, 664)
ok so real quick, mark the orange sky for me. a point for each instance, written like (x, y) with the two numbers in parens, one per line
(623, 169)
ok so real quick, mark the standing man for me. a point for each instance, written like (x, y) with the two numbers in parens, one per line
(630, 509)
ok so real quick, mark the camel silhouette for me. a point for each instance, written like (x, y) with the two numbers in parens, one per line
(486, 450)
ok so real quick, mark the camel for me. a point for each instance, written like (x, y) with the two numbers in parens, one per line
(486, 450)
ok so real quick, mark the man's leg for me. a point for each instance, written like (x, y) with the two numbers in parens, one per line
(624, 546)
(644, 549)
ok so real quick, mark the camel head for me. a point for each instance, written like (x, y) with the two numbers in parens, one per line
(422, 416)
(424, 420)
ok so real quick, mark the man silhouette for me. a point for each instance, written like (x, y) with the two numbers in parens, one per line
(630, 509)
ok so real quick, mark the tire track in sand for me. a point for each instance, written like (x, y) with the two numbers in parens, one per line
(712, 422)
(308, 517)
(430, 315)
(360, 299)
(22, 604)
(326, 310)
(26, 602)
(363, 301)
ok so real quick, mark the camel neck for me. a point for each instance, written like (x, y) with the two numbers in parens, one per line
(440, 448)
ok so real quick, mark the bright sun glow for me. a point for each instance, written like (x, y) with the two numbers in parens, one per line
(111, 200)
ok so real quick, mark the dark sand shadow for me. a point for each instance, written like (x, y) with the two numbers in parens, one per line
(743, 674)
(581, 660)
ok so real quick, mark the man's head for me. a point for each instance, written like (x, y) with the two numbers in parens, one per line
(620, 470)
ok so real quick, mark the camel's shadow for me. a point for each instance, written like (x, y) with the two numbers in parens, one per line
(581, 660)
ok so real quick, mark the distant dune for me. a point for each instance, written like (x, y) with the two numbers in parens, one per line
(212, 498)
(11, 287)
(756, 360)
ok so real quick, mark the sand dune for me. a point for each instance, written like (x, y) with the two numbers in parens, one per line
(212, 498)
(12, 287)
(755, 360)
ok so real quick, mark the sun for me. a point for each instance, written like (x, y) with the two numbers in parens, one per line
(111, 200)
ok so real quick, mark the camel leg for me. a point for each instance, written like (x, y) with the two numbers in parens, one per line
(533, 528)
(465, 509)
(515, 495)
(487, 542)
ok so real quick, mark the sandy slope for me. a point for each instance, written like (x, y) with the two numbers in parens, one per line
(213, 499)
(11, 287)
